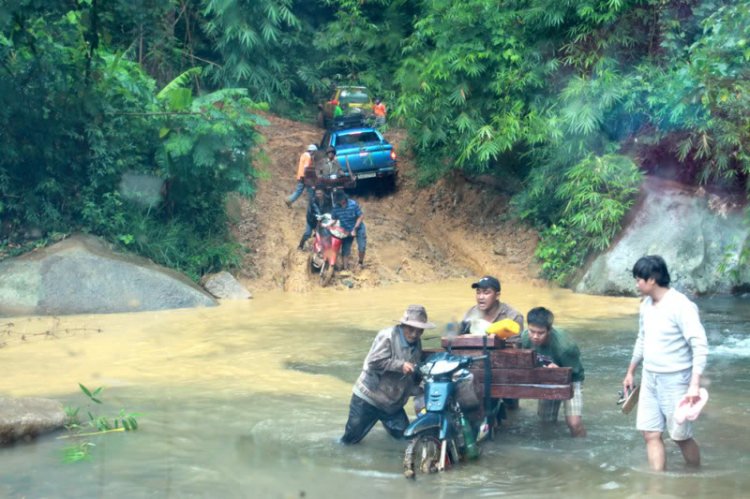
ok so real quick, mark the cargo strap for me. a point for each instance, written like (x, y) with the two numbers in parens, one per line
(488, 409)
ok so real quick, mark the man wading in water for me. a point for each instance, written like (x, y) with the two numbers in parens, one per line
(387, 379)
(488, 309)
(559, 348)
(486, 312)
(672, 345)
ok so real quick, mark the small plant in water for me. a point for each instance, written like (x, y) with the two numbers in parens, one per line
(81, 449)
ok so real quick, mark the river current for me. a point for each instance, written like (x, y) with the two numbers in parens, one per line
(248, 399)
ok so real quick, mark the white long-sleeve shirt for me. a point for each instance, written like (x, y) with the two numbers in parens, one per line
(671, 337)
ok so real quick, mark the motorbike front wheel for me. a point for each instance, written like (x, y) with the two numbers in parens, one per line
(326, 272)
(423, 455)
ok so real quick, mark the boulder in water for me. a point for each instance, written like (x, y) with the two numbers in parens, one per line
(83, 275)
(224, 286)
(23, 418)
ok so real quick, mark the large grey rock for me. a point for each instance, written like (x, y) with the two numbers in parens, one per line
(692, 230)
(83, 274)
(28, 417)
(224, 286)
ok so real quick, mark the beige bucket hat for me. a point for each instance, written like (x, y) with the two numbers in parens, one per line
(416, 316)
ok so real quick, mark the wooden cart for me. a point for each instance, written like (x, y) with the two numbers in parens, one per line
(514, 372)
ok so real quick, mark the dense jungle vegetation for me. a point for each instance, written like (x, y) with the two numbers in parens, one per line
(576, 98)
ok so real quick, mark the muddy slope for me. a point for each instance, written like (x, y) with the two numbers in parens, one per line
(451, 229)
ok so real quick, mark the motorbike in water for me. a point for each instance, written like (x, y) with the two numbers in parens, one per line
(326, 247)
(441, 437)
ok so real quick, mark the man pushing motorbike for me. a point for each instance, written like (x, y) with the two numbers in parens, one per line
(387, 379)
(318, 205)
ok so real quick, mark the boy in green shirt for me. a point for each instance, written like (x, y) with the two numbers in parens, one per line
(557, 350)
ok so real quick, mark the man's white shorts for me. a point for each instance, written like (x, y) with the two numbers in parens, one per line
(660, 393)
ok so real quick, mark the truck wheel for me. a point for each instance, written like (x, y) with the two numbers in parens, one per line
(320, 121)
(389, 184)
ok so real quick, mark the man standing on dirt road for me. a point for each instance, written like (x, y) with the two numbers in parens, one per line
(387, 379)
(349, 215)
(304, 161)
(318, 205)
(379, 110)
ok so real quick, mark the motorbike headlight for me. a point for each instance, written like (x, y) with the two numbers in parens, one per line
(444, 366)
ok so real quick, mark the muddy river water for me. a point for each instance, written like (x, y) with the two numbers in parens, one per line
(247, 400)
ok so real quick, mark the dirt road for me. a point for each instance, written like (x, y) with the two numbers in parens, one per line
(450, 229)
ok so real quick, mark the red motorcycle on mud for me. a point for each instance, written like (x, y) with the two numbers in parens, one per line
(326, 247)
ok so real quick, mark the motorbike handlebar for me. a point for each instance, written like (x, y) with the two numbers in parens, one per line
(481, 357)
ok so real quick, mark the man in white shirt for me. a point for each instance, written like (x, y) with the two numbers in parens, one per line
(672, 345)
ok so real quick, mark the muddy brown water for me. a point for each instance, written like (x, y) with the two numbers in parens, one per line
(247, 400)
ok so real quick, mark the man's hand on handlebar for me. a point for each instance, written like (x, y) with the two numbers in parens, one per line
(407, 368)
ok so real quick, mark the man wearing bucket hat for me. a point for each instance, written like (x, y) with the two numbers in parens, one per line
(305, 160)
(388, 378)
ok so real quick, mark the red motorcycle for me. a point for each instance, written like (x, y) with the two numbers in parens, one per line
(326, 248)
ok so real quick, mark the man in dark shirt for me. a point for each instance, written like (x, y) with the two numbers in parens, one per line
(349, 215)
(556, 349)
(317, 205)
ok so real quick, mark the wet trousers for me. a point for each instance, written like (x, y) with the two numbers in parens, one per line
(363, 416)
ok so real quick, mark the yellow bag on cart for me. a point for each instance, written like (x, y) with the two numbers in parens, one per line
(504, 328)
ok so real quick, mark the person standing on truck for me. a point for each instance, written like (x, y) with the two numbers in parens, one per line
(556, 349)
(673, 347)
(337, 111)
(379, 109)
(349, 215)
(387, 379)
(305, 160)
(317, 205)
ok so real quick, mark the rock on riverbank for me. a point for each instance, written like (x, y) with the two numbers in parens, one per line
(83, 274)
(691, 229)
(28, 417)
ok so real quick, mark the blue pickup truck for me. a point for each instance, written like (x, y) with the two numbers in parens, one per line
(370, 155)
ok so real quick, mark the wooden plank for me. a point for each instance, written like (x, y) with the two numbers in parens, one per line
(505, 359)
(538, 375)
(473, 341)
(533, 391)
(500, 359)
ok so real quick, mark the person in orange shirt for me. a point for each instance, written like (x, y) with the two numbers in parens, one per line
(379, 109)
(304, 161)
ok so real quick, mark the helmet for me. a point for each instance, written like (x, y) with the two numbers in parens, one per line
(312, 148)
(331, 149)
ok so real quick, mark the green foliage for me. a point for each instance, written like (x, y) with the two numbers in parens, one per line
(81, 449)
(79, 116)
(593, 197)
(558, 92)
(560, 252)
(257, 40)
